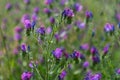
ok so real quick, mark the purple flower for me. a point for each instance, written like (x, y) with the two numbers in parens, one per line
(18, 29)
(84, 46)
(47, 11)
(34, 17)
(27, 1)
(48, 2)
(23, 47)
(118, 71)
(77, 54)
(48, 30)
(80, 25)
(85, 64)
(26, 75)
(93, 50)
(52, 20)
(63, 2)
(95, 59)
(89, 14)
(8, 6)
(106, 49)
(67, 13)
(62, 75)
(36, 10)
(25, 17)
(118, 17)
(27, 24)
(77, 7)
(96, 76)
(57, 53)
(41, 30)
(17, 36)
(109, 27)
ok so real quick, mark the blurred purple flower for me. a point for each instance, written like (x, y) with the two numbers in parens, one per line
(17, 36)
(77, 7)
(26, 75)
(27, 24)
(48, 30)
(8, 6)
(96, 76)
(106, 49)
(109, 27)
(84, 46)
(89, 14)
(26, 1)
(34, 17)
(23, 47)
(95, 59)
(118, 71)
(18, 29)
(80, 25)
(47, 11)
(85, 64)
(25, 17)
(63, 2)
(62, 75)
(36, 10)
(48, 2)
(67, 13)
(41, 30)
(52, 20)
(57, 53)
(93, 50)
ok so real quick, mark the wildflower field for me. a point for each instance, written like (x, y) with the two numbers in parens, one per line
(59, 39)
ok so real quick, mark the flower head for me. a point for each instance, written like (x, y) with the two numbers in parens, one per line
(23, 47)
(77, 7)
(27, 24)
(8, 6)
(48, 2)
(109, 27)
(57, 53)
(41, 30)
(26, 75)
(62, 75)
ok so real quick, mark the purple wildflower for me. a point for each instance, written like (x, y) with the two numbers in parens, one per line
(84, 46)
(109, 27)
(48, 2)
(48, 30)
(118, 71)
(63, 2)
(23, 47)
(93, 50)
(95, 59)
(26, 75)
(57, 53)
(77, 7)
(62, 75)
(25, 17)
(17, 36)
(52, 20)
(27, 24)
(47, 11)
(27, 1)
(8, 6)
(96, 76)
(89, 14)
(36, 10)
(67, 13)
(106, 49)
(41, 30)
(18, 29)
(85, 64)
